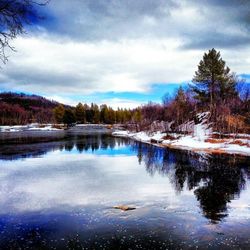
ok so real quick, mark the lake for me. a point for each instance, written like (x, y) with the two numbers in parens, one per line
(58, 190)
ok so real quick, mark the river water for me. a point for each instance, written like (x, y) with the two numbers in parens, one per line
(58, 192)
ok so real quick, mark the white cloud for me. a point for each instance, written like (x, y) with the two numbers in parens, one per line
(51, 66)
(90, 47)
(61, 99)
(116, 103)
(56, 67)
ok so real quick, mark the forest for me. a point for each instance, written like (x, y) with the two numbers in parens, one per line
(214, 89)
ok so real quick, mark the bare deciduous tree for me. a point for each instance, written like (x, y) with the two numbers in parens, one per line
(14, 15)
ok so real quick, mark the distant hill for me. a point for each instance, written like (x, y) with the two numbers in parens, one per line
(27, 101)
(20, 108)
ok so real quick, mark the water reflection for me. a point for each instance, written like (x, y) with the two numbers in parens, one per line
(19, 147)
(215, 180)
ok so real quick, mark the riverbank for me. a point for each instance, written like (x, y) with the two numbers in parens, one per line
(200, 141)
(232, 145)
(36, 133)
(53, 127)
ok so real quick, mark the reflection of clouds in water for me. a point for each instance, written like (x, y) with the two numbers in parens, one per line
(240, 208)
(102, 170)
(77, 179)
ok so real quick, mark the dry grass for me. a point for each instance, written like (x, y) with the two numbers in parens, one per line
(109, 126)
(218, 136)
(42, 126)
(240, 143)
(227, 136)
(215, 151)
(58, 126)
(212, 140)
(170, 137)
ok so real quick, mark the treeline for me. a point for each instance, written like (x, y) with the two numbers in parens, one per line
(19, 109)
(84, 113)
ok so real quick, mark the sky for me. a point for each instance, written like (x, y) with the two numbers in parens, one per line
(124, 52)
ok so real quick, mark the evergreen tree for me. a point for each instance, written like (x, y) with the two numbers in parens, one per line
(88, 113)
(137, 116)
(180, 97)
(80, 113)
(59, 113)
(213, 81)
(111, 116)
(104, 114)
(96, 113)
(69, 117)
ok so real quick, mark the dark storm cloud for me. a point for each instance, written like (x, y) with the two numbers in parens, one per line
(224, 3)
(105, 19)
(42, 79)
(220, 23)
(226, 25)
(218, 40)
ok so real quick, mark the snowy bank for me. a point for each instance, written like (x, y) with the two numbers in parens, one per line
(198, 142)
(199, 137)
(55, 127)
(30, 127)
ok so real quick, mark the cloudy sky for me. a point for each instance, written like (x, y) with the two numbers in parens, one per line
(125, 52)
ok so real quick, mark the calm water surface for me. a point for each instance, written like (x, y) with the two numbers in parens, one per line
(57, 192)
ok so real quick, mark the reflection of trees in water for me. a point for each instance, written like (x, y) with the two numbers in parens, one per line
(95, 142)
(84, 142)
(224, 182)
(152, 156)
(215, 179)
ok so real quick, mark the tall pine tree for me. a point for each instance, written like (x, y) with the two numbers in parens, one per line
(213, 83)
(80, 113)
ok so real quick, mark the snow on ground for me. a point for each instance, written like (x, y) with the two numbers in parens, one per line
(29, 127)
(195, 142)
(198, 139)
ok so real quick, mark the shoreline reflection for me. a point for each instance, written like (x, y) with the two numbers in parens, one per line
(215, 180)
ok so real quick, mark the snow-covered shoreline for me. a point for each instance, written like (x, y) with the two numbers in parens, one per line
(191, 142)
(200, 140)
(52, 127)
(29, 127)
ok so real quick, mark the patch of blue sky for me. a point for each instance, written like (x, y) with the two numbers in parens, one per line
(155, 94)
(246, 77)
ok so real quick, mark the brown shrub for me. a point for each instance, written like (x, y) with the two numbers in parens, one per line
(109, 127)
(58, 126)
(212, 140)
(170, 137)
(240, 143)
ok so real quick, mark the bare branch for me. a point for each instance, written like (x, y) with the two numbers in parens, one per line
(14, 15)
